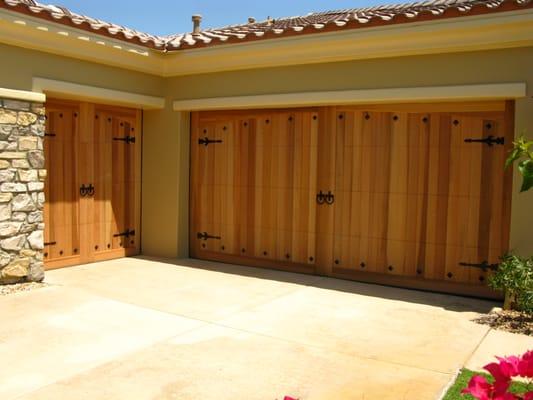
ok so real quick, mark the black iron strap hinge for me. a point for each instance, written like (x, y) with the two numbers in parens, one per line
(485, 266)
(50, 134)
(489, 140)
(206, 236)
(128, 233)
(206, 141)
(127, 139)
(50, 243)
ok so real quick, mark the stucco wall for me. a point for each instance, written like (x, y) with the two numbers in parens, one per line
(498, 66)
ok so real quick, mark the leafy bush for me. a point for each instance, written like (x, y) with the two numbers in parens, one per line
(523, 152)
(515, 277)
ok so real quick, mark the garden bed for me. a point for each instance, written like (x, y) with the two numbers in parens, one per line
(509, 321)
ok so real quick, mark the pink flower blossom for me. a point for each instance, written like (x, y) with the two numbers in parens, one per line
(479, 388)
(525, 366)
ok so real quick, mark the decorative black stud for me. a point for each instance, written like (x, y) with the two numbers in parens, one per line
(482, 279)
(455, 122)
(96, 247)
(450, 275)
(246, 124)
(367, 116)
(267, 121)
(265, 253)
(75, 251)
(287, 256)
(46, 254)
(109, 245)
(337, 262)
(61, 253)
(222, 248)
(109, 120)
(243, 250)
(290, 119)
(488, 126)
(132, 242)
(311, 259)
(341, 116)
(419, 271)
(205, 130)
(395, 118)
(425, 120)
(391, 268)
(75, 115)
(225, 128)
(315, 117)
(204, 245)
(362, 265)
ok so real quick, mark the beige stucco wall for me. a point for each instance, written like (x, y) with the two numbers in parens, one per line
(166, 133)
(498, 66)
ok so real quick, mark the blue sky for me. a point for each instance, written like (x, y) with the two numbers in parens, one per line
(174, 16)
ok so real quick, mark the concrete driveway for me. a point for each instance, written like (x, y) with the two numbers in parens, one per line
(146, 329)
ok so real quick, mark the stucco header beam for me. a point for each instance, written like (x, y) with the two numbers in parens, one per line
(501, 91)
(22, 95)
(75, 91)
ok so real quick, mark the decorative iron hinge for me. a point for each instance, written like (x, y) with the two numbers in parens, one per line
(328, 198)
(50, 243)
(50, 134)
(485, 266)
(206, 236)
(206, 141)
(127, 234)
(127, 139)
(489, 140)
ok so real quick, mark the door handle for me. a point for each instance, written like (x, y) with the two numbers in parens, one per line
(87, 190)
(83, 190)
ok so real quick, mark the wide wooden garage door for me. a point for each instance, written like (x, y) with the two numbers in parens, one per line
(92, 191)
(408, 195)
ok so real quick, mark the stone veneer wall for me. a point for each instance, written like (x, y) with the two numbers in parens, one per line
(22, 176)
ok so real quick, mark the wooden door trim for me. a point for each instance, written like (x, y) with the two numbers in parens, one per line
(456, 288)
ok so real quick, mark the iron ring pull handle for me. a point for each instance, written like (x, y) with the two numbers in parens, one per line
(330, 198)
(321, 198)
(90, 190)
(83, 190)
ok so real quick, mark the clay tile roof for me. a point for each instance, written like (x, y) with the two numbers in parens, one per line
(328, 21)
(63, 16)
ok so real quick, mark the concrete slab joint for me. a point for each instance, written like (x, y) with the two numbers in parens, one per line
(21, 190)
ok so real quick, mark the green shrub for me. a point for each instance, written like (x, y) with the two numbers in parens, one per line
(515, 277)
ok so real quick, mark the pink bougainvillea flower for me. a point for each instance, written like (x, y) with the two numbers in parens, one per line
(525, 366)
(479, 388)
(289, 398)
(504, 370)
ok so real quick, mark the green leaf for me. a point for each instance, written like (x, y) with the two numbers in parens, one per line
(515, 155)
(526, 169)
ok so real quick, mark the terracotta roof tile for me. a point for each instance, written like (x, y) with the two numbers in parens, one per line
(327, 21)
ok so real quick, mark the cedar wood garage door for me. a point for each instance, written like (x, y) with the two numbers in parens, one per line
(393, 194)
(92, 189)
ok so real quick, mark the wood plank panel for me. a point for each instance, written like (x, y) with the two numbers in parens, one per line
(255, 189)
(61, 210)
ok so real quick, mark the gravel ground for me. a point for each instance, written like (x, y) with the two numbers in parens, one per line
(6, 290)
(510, 321)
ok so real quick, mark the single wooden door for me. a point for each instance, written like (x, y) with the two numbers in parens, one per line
(115, 206)
(62, 205)
(418, 196)
(253, 187)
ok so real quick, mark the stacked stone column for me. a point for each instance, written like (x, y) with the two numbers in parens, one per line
(22, 175)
